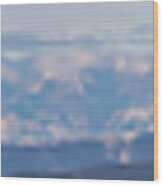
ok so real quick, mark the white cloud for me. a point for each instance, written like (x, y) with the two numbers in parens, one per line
(124, 157)
(120, 141)
(14, 56)
(137, 67)
(78, 120)
(12, 130)
(9, 127)
(67, 69)
(26, 132)
(141, 114)
(60, 133)
(35, 87)
(129, 136)
(29, 140)
(136, 119)
(120, 65)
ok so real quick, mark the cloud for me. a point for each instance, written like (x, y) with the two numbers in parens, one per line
(15, 130)
(124, 157)
(56, 19)
(118, 145)
(66, 69)
(26, 132)
(18, 131)
(141, 114)
(134, 118)
(35, 88)
(29, 140)
(71, 57)
(120, 65)
(14, 56)
(9, 127)
(125, 146)
(60, 133)
(78, 120)
(137, 67)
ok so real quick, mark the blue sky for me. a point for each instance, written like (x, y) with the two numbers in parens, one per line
(76, 71)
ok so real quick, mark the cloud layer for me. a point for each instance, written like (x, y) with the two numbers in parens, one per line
(77, 72)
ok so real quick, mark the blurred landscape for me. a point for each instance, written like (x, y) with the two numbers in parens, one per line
(77, 90)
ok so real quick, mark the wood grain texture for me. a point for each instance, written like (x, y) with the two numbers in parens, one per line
(155, 90)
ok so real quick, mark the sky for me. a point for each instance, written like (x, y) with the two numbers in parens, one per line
(75, 72)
